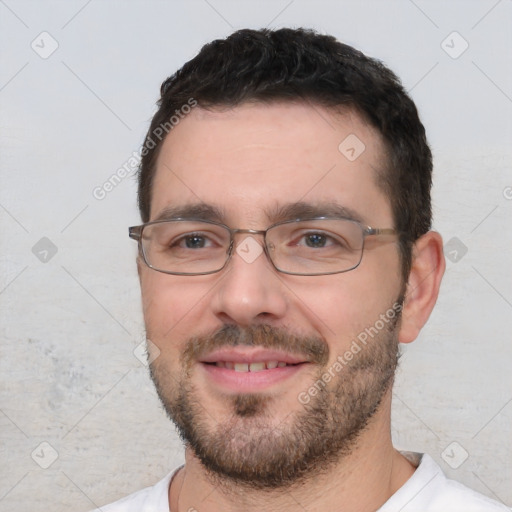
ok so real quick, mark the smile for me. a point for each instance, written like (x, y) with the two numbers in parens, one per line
(251, 367)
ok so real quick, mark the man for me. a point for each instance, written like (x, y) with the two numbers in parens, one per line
(285, 253)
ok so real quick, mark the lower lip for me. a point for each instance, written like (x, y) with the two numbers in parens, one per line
(247, 382)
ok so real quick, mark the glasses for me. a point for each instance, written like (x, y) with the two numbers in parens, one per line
(310, 247)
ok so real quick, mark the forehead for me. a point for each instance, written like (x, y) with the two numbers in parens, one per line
(254, 158)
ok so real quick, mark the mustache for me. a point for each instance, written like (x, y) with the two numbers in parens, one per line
(312, 348)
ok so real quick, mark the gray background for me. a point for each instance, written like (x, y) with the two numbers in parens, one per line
(74, 398)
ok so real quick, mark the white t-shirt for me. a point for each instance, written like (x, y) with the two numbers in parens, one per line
(428, 490)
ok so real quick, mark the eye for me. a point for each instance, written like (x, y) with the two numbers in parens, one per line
(317, 240)
(192, 241)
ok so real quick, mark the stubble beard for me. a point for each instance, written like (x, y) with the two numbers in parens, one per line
(248, 449)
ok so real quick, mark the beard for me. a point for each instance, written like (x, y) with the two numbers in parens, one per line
(247, 448)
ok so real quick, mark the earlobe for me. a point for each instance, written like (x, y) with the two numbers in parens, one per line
(427, 269)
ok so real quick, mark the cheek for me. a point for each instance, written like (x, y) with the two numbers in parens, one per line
(340, 307)
(170, 308)
(338, 312)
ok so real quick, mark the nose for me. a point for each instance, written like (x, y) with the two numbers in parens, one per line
(249, 290)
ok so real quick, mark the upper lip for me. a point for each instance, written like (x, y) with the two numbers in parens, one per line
(251, 355)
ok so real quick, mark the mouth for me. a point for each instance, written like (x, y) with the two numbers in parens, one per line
(248, 369)
(258, 366)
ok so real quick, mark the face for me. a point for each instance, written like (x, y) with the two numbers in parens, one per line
(321, 350)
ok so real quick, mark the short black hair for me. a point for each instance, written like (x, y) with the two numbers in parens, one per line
(302, 65)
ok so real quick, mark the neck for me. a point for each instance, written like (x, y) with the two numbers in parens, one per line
(361, 481)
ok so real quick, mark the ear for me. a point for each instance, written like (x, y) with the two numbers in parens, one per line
(428, 265)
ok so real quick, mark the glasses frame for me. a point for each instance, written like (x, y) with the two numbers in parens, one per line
(135, 233)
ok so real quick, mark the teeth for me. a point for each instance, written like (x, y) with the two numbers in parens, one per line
(256, 367)
(252, 367)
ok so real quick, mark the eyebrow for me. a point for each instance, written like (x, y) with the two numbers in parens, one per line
(280, 213)
(303, 210)
(199, 211)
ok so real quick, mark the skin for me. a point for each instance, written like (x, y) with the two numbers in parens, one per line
(246, 161)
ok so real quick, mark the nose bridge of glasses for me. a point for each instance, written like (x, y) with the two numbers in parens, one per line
(247, 247)
(249, 232)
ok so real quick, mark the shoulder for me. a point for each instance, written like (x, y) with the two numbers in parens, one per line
(150, 499)
(428, 490)
(463, 499)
